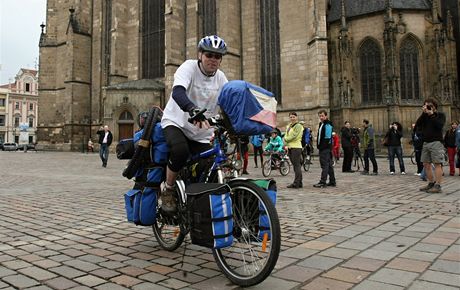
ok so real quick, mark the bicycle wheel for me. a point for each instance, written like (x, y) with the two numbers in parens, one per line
(267, 168)
(306, 163)
(167, 229)
(285, 167)
(412, 158)
(251, 258)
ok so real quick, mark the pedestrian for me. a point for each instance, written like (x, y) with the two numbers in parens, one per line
(243, 151)
(196, 86)
(347, 147)
(307, 140)
(369, 148)
(293, 141)
(105, 139)
(335, 147)
(324, 145)
(431, 122)
(457, 143)
(449, 143)
(393, 137)
(90, 146)
(417, 143)
(257, 143)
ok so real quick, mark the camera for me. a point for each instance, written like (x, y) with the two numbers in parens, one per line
(429, 108)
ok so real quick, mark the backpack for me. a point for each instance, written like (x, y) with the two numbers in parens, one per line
(306, 136)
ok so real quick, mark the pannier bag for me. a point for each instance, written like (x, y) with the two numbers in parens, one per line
(125, 149)
(210, 209)
(247, 108)
(141, 206)
(269, 185)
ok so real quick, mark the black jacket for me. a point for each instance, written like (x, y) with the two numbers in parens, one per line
(394, 137)
(449, 138)
(431, 126)
(101, 134)
(346, 137)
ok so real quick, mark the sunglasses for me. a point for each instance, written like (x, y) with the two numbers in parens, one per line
(213, 55)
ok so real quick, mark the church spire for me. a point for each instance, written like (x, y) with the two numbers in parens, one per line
(343, 16)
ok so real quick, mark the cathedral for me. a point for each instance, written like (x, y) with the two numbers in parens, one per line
(104, 61)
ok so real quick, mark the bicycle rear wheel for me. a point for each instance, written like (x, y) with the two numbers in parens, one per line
(306, 163)
(253, 254)
(412, 158)
(285, 167)
(167, 228)
(267, 168)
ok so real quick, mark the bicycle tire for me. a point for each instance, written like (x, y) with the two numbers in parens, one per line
(306, 164)
(248, 199)
(412, 158)
(167, 229)
(285, 167)
(267, 168)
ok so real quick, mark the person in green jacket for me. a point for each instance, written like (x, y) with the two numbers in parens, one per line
(369, 148)
(293, 140)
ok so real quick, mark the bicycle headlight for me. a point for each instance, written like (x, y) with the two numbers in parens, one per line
(237, 164)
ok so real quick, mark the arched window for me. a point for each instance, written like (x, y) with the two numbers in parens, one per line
(371, 72)
(408, 70)
(208, 16)
(126, 116)
(153, 39)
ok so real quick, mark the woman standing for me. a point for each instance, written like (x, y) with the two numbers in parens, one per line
(394, 136)
(449, 143)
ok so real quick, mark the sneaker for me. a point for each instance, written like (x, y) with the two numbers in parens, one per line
(392, 173)
(427, 187)
(245, 172)
(435, 189)
(417, 174)
(319, 185)
(168, 201)
(292, 185)
(403, 173)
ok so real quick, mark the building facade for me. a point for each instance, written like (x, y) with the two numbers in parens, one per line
(103, 62)
(19, 112)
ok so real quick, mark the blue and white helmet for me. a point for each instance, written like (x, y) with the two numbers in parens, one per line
(212, 43)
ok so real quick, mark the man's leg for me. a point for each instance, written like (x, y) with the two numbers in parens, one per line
(295, 159)
(438, 173)
(375, 168)
(366, 160)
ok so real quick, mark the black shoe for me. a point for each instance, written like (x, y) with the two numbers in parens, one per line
(292, 185)
(333, 184)
(104, 165)
(365, 173)
(375, 173)
(245, 172)
(320, 185)
(348, 171)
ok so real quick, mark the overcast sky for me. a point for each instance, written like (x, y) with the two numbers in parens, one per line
(19, 35)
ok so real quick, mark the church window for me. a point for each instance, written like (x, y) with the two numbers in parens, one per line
(153, 39)
(126, 116)
(371, 75)
(270, 47)
(409, 70)
(208, 16)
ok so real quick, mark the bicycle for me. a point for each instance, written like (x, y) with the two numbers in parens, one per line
(251, 258)
(357, 159)
(276, 160)
(412, 158)
(305, 158)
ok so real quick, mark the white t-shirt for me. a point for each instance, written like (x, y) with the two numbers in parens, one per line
(202, 91)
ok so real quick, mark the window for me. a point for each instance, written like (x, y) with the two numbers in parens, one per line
(270, 47)
(408, 69)
(2, 102)
(126, 116)
(31, 139)
(16, 105)
(31, 107)
(27, 87)
(371, 76)
(16, 121)
(153, 39)
(16, 139)
(31, 122)
(2, 120)
(208, 17)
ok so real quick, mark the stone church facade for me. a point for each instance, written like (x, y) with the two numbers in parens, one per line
(104, 61)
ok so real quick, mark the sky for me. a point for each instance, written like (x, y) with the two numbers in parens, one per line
(19, 35)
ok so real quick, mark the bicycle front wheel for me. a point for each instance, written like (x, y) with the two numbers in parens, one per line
(255, 249)
(306, 164)
(285, 167)
(267, 168)
(412, 158)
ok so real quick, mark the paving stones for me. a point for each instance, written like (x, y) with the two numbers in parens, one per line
(369, 232)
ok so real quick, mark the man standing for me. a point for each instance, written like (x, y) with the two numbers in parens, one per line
(105, 139)
(347, 147)
(431, 123)
(324, 145)
(369, 148)
(293, 138)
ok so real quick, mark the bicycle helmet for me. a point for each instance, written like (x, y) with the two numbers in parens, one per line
(212, 43)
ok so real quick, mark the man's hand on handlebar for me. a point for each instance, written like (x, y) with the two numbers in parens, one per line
(198, 118)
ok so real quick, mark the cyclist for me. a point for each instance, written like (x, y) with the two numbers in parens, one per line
(275, 144)
(197, 84)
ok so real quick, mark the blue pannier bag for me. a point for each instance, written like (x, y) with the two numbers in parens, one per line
(247, 108)
(269, 185)
(211, 214)
(141, 206)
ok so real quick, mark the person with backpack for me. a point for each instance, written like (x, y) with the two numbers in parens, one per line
(257, 142)
(197, 84)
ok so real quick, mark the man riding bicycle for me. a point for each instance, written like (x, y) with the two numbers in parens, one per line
(197, 84)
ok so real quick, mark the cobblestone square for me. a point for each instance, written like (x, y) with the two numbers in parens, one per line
(63, 226)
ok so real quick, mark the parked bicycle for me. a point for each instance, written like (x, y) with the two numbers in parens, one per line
(276, 161)
(306, 157)
(252, 255)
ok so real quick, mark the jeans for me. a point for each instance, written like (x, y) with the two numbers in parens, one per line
(418, 156)
(104, 153)
(369, 153)
(325, 160)
(392, 151)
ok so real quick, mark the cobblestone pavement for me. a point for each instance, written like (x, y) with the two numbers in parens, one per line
(62, 226)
